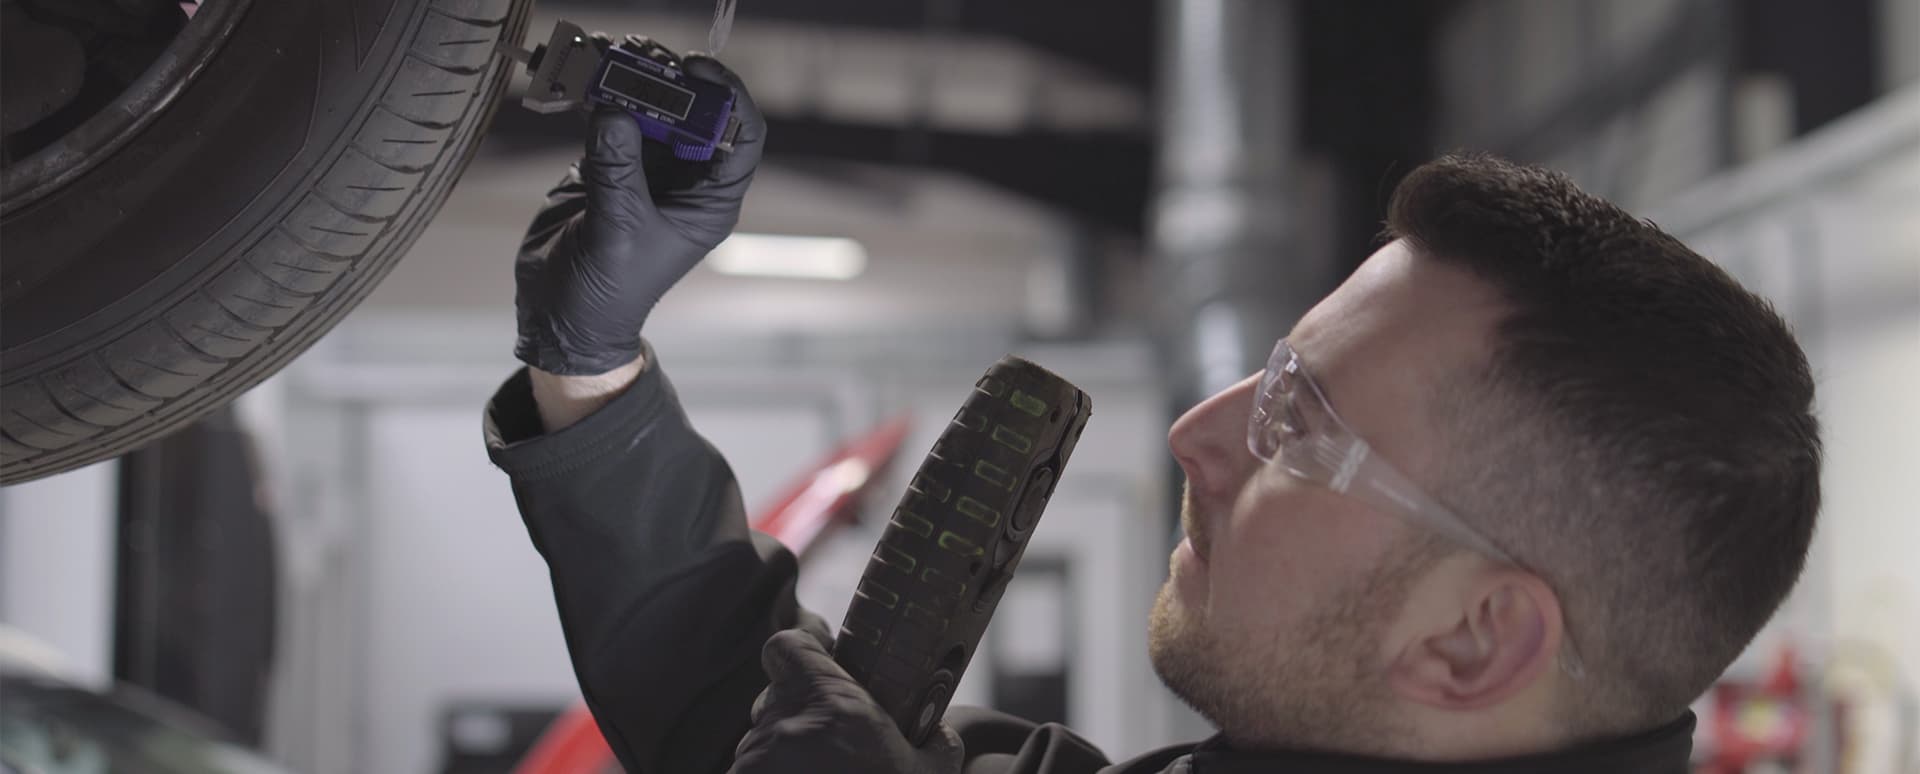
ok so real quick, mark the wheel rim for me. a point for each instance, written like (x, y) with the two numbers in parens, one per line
(112, 126)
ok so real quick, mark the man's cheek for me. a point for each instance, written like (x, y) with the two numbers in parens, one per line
(1267, 569)
(1242, 582)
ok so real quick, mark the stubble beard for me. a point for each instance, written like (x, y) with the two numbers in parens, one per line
(1312, 686)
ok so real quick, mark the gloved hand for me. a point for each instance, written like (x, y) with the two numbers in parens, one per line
(813, 717)
(626, 223)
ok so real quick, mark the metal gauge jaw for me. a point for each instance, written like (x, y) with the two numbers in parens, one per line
(575, 70)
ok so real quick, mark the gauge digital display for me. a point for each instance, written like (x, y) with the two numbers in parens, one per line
(647, 90)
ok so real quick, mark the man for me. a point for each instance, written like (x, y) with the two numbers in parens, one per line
(1505, 501)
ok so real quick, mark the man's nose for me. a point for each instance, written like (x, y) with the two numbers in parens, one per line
(1210, 440)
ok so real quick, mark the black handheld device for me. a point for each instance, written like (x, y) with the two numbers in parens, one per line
(951, 546)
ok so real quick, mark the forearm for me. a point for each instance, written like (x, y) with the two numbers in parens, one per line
(564, 400)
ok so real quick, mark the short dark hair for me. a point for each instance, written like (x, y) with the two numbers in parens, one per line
(1642, 436)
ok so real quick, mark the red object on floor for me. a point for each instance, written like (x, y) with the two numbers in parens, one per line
(572, 745)
(1765, 720)
(810, 508)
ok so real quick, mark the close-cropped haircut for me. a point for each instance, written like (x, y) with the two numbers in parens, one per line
(1642, 436)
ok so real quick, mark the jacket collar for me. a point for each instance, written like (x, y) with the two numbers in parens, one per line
(1664, 750)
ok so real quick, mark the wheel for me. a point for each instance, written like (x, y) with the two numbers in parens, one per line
(166, 246)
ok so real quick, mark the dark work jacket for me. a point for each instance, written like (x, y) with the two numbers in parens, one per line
(665, 598)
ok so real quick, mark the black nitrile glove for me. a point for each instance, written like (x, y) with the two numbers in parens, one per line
(813, 717)
(627, 222)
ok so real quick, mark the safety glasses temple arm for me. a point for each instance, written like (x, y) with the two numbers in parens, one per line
(1380, 484)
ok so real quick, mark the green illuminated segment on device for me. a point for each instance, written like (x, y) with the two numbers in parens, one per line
(871, 589)
(958, 535)
(1032, 405)
(971, 421)
(993, 474)
(959, 545)
(931, 487)
(941, 582)
(913, 522)
(978, 511)
(1012, 439)
(895, 558)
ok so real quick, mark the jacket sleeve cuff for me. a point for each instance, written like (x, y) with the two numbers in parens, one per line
(519, 445)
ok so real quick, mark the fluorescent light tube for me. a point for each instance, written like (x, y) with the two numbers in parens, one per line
(787, 256)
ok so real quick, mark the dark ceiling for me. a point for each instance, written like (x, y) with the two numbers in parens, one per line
(1366, 100)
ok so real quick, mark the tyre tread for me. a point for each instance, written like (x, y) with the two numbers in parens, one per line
(273, 299)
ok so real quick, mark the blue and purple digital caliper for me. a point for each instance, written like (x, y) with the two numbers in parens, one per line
(574, 70)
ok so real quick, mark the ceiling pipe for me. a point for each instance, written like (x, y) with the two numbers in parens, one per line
(1224, 233)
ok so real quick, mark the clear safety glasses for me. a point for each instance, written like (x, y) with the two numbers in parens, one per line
(1294, 425)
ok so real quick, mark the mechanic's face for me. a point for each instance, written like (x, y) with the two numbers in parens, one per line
(1275, 621)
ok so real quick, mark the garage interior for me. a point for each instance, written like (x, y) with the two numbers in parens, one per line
(332, 570)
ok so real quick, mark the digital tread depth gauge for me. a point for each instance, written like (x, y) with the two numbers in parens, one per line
(575, 71)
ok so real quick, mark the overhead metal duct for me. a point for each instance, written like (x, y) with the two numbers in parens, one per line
(1231, 265)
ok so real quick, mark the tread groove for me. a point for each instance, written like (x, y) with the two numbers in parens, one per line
(341, 232)
(438, 93)
(220, 334)
(192, 350)
(403, 169)
(235, 316)
(370, 220)
(268, 304)
(120, 380)
(104, 402)
(478, 22)
(163, 370)
(449, 69)
(42, 425)
(62, 408)
(377, 188)
(434, 125)
(312, 249)
(278, 287)
(285, 265)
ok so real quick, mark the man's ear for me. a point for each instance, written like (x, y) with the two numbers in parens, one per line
(1500, 638)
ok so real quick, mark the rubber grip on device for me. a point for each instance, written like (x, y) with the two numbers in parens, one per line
(949, 549)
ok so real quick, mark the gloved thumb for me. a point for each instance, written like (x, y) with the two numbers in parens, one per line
(797, 656)
(943, 752)
(616, 181)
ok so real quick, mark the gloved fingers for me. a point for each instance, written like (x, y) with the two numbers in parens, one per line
(795, 661)
(816, 626)
(761, 704)
(752, 747)
(567, 199)
(796, 657)
(612, 173)
(943, 751)
(750, 142)
(781, 693)
(753, 125)
(789, 661)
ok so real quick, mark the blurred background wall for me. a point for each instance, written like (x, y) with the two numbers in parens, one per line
(1120, 196)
